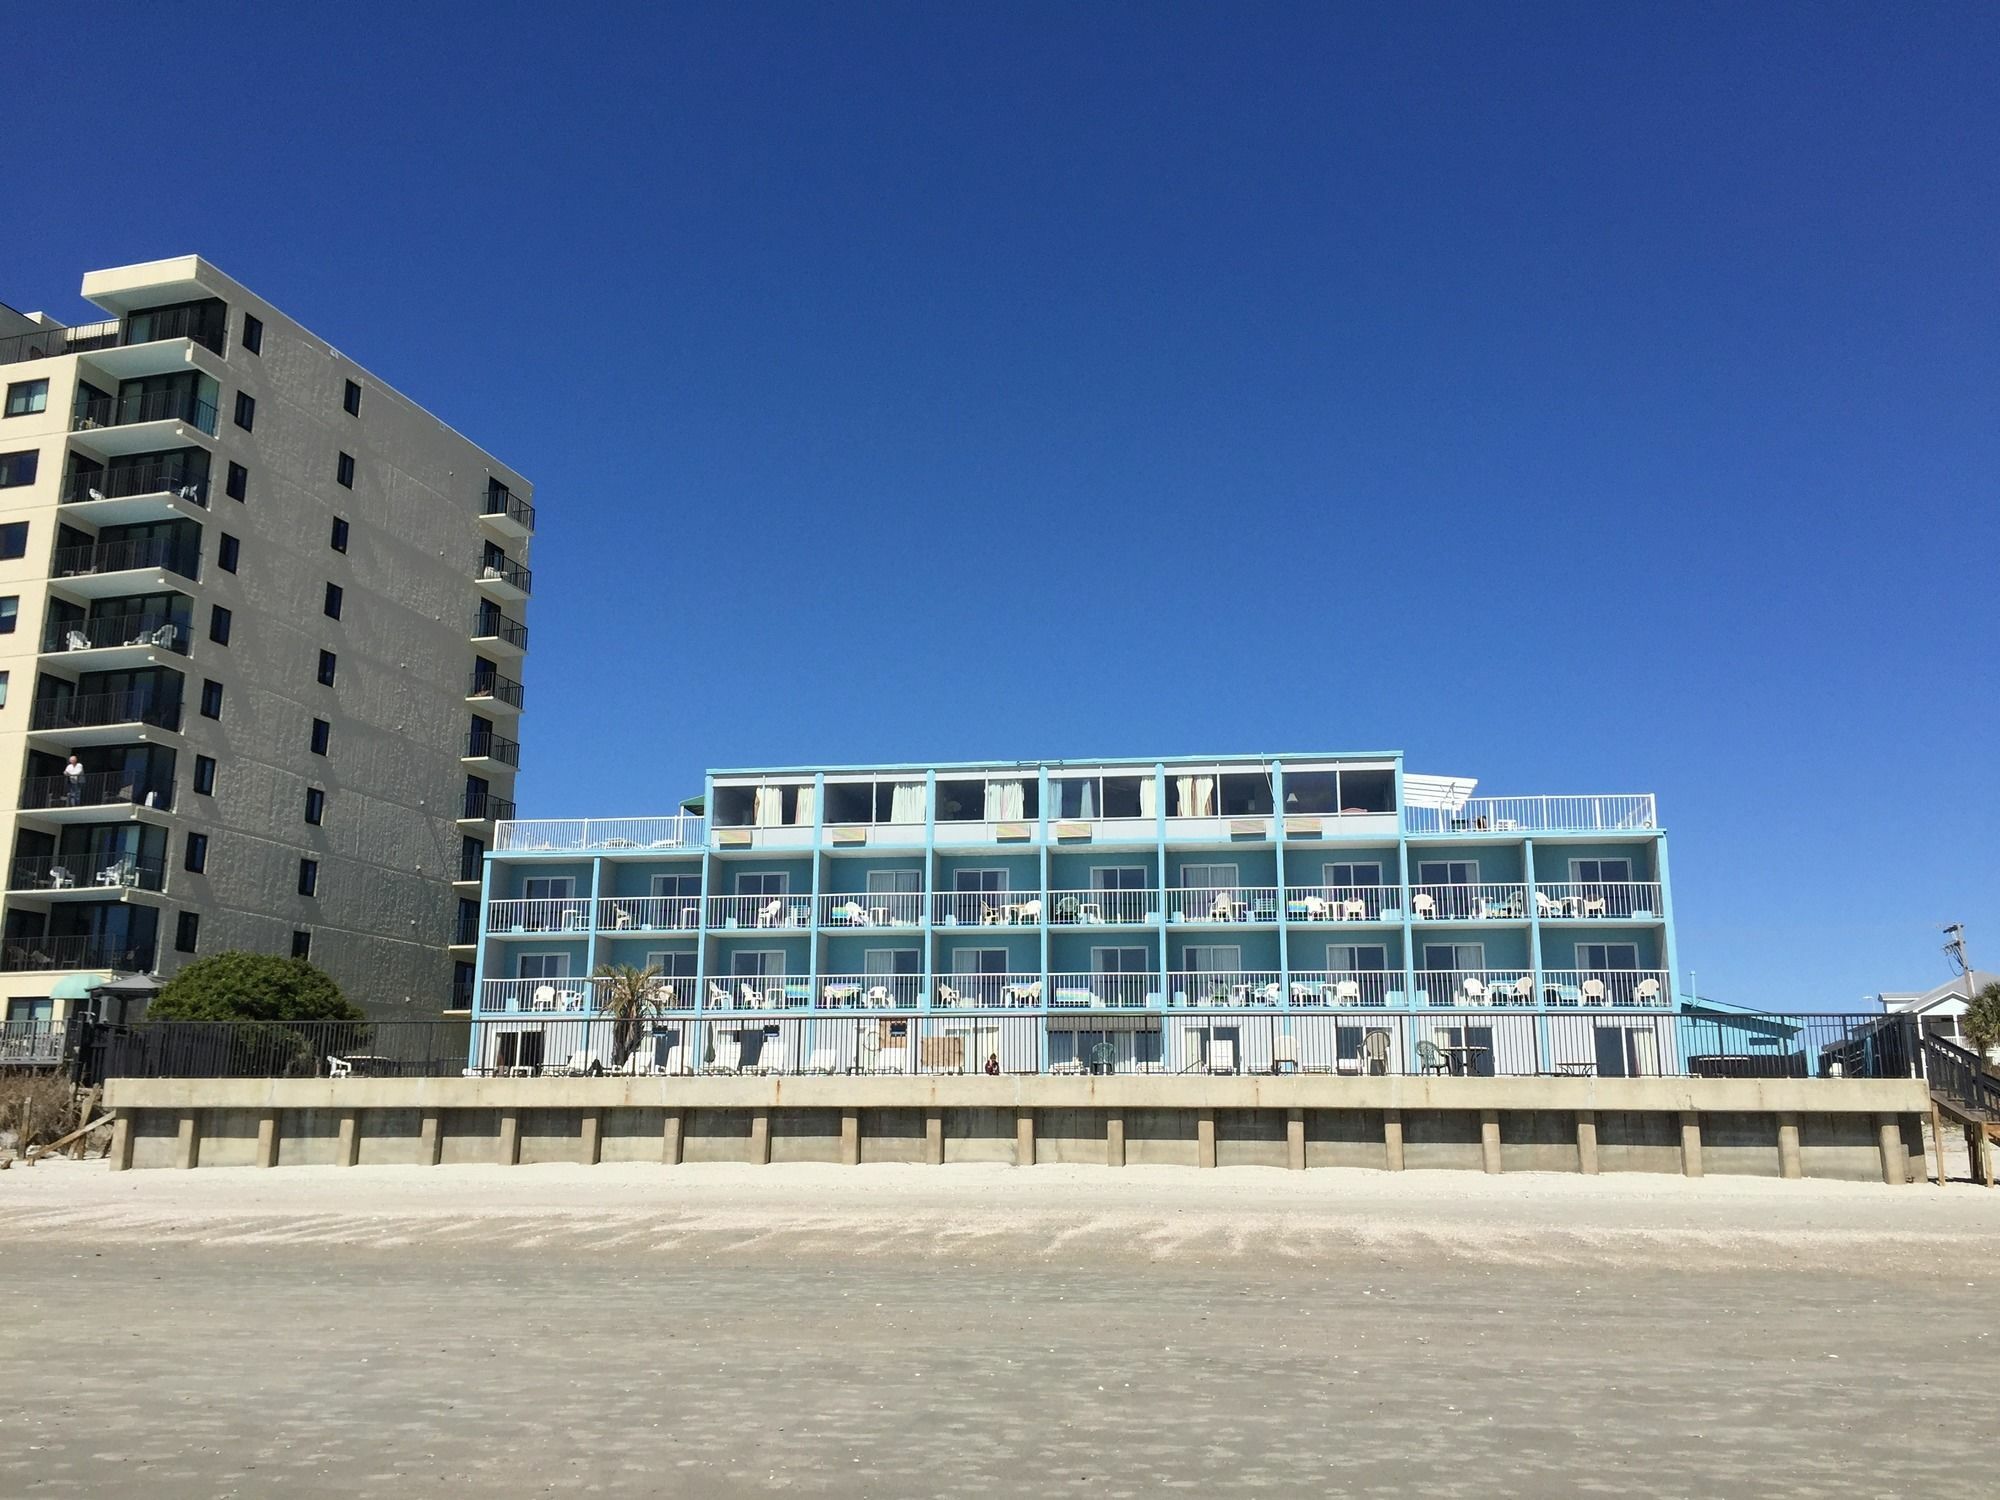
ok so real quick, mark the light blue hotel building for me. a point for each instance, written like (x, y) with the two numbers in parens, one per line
(1327, 912)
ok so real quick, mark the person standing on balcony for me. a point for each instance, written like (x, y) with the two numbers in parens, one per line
(73, 780)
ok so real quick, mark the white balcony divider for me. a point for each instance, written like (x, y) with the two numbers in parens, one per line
(1646, 989)
(988, 991)
(1487, 901)
(1632, 900)
(1341, 903)
(1480, 987)
(1102, 908)
(617, 914)
(1233, 903)
(1235, 990)
(866, 909)
(1102, 991)
(1344, 988)
(1577, 814)
(682, 831)
(989, 909)
(551, 916)
(759, 913)
(869, 992)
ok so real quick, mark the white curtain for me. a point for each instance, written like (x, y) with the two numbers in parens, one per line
(1149, 798)
(768, 807)
(1184, 796)
(906, 802)
(1204, 796)
(1090, 799)
(1004, 799)
(802, 810)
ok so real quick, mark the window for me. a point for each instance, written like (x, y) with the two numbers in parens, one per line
(1226, 959)
(979, 882)
(544, 966)
(350, 399)
(327, 666)
(10, 613)
(315, 805)
(187, 931)
(238, 483)
(3, 689)
(302, 944)
(321, 733)
(246, 410)
(339, 540)
(672, 965)
(196, 856)
(204, 775)
(1358, 958)
(219, 620)
(548, 888)
(758, 963)
(1607, 956)
(211, 699)
(253, 334)
(1600, 871)
(765, 883)
(226, 553)
(308, 877)
(1447, 956)
(333, 598)
(343, 470)
(470, 853)
(1351, 874)
(19, 468)
(14, 539)
(461, 985)
(26, 397)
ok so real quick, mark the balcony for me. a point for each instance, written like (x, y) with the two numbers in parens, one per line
(1237, 906)
(988, 992)
(1583, 814)
(1103, 991)
(504, 579)
(870, 992)
(31, 1044)
(205, 325)
(1641, 989)
(862, 910)
(505, 512)
(38, 954)
(465, 933)
(1476, 987)
(1310, 905)
(54, 343)
(759, 913)
(155, 490)
(1347, 989)
(104, 718)
(150, 419)
(1600, 900)
(117, 640)
(489, 751)
(1232, 990)
(642, 914)
(681, 834)
(988, 909)
(1123, 908)
(1484, 902)
(485, 807)
(497, 635)
(104, 570)
(538, 918)
(551, 997)
(84, 799)
(82, 875)
(494, 690)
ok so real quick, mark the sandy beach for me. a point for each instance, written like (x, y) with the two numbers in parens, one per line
(973, 1331)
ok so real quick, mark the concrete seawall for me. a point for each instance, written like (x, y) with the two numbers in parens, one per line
(1845, 1128)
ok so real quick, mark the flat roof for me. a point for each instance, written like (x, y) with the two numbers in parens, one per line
(1065, 763)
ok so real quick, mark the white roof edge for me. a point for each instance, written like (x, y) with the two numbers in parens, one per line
(1447, 792)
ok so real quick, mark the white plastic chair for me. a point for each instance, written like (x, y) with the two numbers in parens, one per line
(1475, 992)
(947, 995)
(1423, 906)
(1347, 992)
(1646, 992)
(718, 994)
(543, 998)
(1593, 992)
(771, 912)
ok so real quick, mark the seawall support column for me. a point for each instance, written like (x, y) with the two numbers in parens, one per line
(593, 1137)
(1295, 1139)
(1392, 1139)
(510, 1139)
(1895, 1160)
(267, 1138)
(934, 1137)
(672, 1137)
(850, 1138)
(1586, 1142)
(1204, 1138)
(1114, 1138)
(1489, 1140)
(187, 1143)
(760, 1137)
(1691, 1143)
(347, 1148)
(1024, 1138)
(1788, 1146)
(121, 1143)
(430, 1139)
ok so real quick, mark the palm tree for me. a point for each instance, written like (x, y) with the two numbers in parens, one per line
(629, 999)
(1982, 1021)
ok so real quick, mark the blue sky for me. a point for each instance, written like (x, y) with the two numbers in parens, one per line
(1585, 398)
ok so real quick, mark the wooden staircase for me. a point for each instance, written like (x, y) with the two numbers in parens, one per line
(1963, 1092)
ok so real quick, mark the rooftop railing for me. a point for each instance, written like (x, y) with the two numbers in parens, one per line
(53, 343)
(1581, 814)
(206, 325)
(667, 834)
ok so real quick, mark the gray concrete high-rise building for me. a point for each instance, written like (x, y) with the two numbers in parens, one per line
(261, 644)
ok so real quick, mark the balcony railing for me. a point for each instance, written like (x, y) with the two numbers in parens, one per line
(988, 991)
(144, 406)
(1103, 991)
(872, 909)
(207, 325)
(1210, 903)
(53, 343)
(1632, 900)
(541, 996)
(25, 955)
(1345, 989)
(649, 914)
(555, 914)
(498, 500)
(94, 789)
(988, 909)
(464, 931)
(498, 627)
(31, 1044)
(1642, 988)
(1248, 989)
(507, 571)
(175, 556)
(668, 834)
(484, 805)
(156, 477)
(1343, 903)
(870, 991)
(1122, 908)
(485, 684)
(1476, 987)
(96, 710)
(116, 630)
(484, 744)
(64, 872)
(1484, 902)
(760, 912)
(759, 992)
(1581, 814)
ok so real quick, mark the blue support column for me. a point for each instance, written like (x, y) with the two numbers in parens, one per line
(701, 925)
(1284, 888)
(1042, 844)
(1160, 880)
(818, 859)
(930, 890)
(590, 934)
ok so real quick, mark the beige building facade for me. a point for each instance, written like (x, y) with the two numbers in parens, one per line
(262, 626)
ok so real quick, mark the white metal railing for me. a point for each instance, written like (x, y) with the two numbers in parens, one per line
(547, 996)
(31, 1042)
(1579, 814)
(1344, 988)
(760, 913)
(1103, 908)
(555, 915)
(1341, 903)
(649, 914)
(989, 909)
(987, 991)
(1234, 990)
(1486, 901)
(757, 992)
(1233, 903)
(1630, 899)
(1499, 987)
(1641, 988)
(869, 992)
(1102, 991)
(872, 909)
(682, 831)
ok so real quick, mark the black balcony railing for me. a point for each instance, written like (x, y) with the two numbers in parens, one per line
(144, 406)
(487, 684)
(171, 553)
(20, 955)
(109, 873)
(498, 627)
(507, 571)
(207, 325)
(52, 343)
(501, 501)
(116, 630)
(158, 477)
(485, 805)
(94, 710)
(485, 743)
(94, 789)
(464, 931)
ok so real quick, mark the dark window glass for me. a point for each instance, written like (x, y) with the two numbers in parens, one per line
(238, 483)
(26, 397)
(253, 333)
(19, 468)
(10, 613)
(333, 598)
(321, 732)
(350, 399)
(343, 470)
(315, 805)
(226, 552)
(14, 539)
(196, 858)
(470, 852)
(302, 945)
(211, 699)
(339, 540)
(219, 620)
(187, 931)
(246, 410)
(308, 876)
(204, 775)
(327, 665)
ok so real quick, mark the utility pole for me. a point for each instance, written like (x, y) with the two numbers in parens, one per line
(1954, 950)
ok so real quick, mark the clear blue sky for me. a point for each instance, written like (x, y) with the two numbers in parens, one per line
(1585, 398)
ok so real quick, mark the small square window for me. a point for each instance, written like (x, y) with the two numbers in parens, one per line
(196, 858)
(339, 541)
(226, 553)
(204, 775)
(14, 539)
(187, 931)
(302, 945)
(26, 397)
(328, 663)
(350, 399)
(308, 876)
(10, 613)
(333, 599)
(246, 410)
(211, 699)
(238, 483)
(253, 333)
(343, 471)
(19, 468)
(322, 732)
(219, 620)
(315, 805)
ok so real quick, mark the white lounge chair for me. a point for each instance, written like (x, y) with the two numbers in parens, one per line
(1313, 908)
(851, 913)
(1353, 909)
(1027, 913)
(76, 640)
(1521, 990)
(878, 996)
(749, 996)
(621, 918)
(339, 1067)
(1593, 906)
(1547, 906)
(583, 1064)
